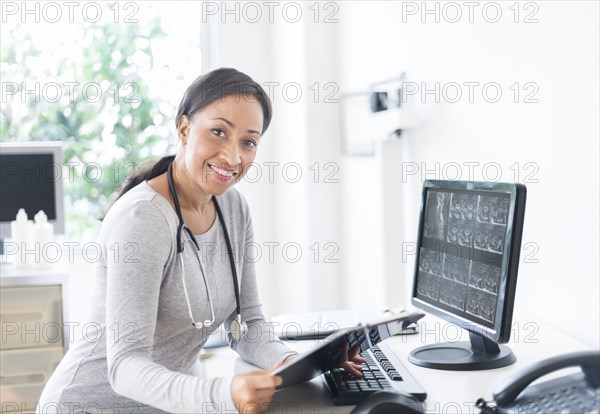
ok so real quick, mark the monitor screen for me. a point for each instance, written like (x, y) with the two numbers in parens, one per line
(468, 252)
(31, 178)
(461, 251)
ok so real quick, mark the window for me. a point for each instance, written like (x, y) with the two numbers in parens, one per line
(105, 79)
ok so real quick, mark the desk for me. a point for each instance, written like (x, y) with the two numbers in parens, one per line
(33, 310)
(448, 391)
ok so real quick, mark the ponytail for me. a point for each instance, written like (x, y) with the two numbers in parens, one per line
(146, 172)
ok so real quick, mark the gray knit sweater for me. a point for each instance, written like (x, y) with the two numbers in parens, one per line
(146, 359)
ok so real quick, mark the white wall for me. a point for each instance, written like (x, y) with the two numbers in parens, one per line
(558, 135)
(301, 213)
(373, 208)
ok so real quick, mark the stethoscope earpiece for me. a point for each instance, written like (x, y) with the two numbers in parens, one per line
(206, 324)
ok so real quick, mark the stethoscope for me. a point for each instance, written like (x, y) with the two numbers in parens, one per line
(238, 328)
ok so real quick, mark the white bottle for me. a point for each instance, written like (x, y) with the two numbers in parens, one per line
(43, 233)
(21, 232)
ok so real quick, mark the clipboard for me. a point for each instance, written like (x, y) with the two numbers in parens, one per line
(319, 325)
(326, 355)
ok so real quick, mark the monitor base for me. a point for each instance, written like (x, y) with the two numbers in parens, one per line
(460, 356)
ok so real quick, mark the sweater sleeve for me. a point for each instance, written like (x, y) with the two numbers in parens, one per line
(260, 346)
(133, 290)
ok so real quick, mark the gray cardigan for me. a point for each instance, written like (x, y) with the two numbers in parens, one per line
(146, 357)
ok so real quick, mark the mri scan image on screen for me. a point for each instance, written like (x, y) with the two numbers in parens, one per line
(467, 254)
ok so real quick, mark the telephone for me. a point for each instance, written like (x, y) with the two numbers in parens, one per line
(574, 393)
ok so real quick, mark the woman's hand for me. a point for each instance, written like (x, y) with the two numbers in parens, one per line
(350, 359)
(252, 391)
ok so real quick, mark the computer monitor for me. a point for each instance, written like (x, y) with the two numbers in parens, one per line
(466, 268)
(31, 178)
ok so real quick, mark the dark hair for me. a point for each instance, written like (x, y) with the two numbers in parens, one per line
(218, 84)
(202, 92)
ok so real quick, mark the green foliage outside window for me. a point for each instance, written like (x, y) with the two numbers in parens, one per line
(90, 94)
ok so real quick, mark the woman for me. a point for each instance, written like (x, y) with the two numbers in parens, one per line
(161, 288)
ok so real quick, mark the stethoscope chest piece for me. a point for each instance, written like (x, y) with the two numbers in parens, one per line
(239, 329)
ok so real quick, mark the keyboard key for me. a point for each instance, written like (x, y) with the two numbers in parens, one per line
(345, 389)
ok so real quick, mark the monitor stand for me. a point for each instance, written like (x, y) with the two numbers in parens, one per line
(480, 353)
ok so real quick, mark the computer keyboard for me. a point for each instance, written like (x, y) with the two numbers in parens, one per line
(381, 371)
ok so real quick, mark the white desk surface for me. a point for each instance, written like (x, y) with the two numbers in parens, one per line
(9, 276)
(448, 391)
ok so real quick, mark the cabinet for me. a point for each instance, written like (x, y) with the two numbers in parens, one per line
(33, 339)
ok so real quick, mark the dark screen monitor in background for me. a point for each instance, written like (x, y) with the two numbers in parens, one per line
(31, 178)
(467, 261)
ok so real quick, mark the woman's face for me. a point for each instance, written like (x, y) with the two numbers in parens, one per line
(220, 142)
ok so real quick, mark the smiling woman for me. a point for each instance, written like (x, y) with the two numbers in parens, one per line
(220, 145)
(148, 357)
(220, 121)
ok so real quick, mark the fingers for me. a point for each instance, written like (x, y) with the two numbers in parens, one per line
(358, 359)
(349, 359)
(261, 380)
(268, 373)
(355, 357)
(350, 355)
(277, 380)
(254, 390)
(273, 368)
(354, 370)
(263, 395)
(267, 381)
